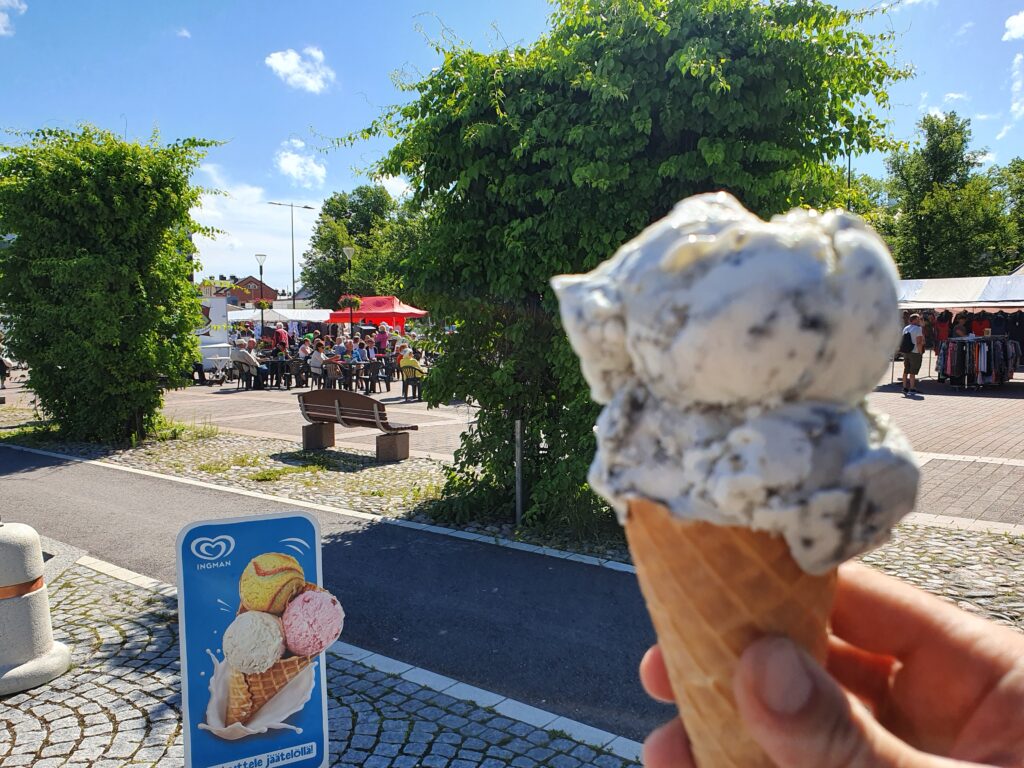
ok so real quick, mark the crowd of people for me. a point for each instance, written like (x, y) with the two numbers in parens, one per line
(362, 358)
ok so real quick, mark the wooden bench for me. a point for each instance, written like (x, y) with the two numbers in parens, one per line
(324, 408)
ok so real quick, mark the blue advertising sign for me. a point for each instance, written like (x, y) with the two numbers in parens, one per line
(254, 622)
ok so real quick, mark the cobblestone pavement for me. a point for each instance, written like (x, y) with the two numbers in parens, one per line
(119, 705)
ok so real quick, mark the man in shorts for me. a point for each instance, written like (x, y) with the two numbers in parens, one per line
(912, 359)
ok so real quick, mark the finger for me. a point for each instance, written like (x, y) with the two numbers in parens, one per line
(801, 717)
(654, 675)
(884, 615)
(868, 676)
(668, 747)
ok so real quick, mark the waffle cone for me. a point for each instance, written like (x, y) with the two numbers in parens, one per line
(711, 591)
(247, 693)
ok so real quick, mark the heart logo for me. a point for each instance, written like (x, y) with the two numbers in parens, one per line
(213, 549)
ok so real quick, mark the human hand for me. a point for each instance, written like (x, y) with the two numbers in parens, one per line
(912, 682)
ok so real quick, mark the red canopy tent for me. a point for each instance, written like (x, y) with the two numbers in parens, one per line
(379, 309)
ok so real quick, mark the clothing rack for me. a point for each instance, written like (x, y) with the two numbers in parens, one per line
(973, 363)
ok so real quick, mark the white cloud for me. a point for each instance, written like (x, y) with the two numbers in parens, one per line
(250, 226)
(987, 158)
(301, 167)
(1014, 27)
(922, 105)
(1005, 130)
(949, 98)
(1017, 87)
(395, 185)
(936, 112)
(964, 29)
(183, 32)
(308, 73)
(983, 116)
(7, 8)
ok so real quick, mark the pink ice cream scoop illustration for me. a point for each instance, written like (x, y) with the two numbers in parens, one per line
(312, 621)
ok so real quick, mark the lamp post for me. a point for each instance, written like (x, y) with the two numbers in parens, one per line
(260, 258)
(349, 252)
(292, 206)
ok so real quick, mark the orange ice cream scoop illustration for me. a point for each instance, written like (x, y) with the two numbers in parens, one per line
(269, 581)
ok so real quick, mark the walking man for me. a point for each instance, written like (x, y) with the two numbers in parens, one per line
(912, 348)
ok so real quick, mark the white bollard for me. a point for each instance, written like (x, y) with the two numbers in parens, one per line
(28, 654)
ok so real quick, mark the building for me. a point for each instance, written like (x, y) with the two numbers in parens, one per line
(248, 290)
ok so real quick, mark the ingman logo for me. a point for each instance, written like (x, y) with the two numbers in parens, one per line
(212, 550)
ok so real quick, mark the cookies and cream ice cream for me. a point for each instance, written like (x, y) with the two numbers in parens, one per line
(733, 356)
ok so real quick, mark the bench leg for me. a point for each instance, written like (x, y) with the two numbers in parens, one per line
(316, 437)
(393, 446)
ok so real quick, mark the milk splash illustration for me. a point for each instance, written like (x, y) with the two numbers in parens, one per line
(291, 699)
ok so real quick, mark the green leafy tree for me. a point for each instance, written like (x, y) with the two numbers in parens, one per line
(941, 164)
(325, 266)
(348, 219)
(1010, 179)
(96, 289)
(966, 231)
(377, 270)
(542, 160)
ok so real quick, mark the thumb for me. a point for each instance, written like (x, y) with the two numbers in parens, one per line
(801, 717)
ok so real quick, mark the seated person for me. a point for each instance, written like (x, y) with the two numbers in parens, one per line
(281, 358)
(413, 371)
(305, 349)
(250, 365)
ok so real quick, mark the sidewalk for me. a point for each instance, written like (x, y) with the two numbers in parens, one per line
(119, 705)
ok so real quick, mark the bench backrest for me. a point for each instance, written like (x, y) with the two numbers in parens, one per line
(350, 409)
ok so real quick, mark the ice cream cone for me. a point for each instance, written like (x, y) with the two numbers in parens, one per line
(712, 590)
(248, 693)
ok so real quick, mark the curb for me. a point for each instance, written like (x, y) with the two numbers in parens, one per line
(620, 746)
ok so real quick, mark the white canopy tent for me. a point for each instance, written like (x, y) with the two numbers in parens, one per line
(281, 315)
(963, 293)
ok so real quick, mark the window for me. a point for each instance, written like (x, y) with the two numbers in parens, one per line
(252, 287)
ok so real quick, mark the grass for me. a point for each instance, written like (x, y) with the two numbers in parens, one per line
(223, 465)
(279, 473)
(167, 429)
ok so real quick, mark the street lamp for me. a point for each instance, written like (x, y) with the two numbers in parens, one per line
(260, 258)
(349, 252)
(293, 206)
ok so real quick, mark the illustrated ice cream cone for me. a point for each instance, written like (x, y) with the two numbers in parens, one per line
(249, 692)
(711, 590)
(283, 622)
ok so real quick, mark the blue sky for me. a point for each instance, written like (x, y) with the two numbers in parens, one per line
(263, 76)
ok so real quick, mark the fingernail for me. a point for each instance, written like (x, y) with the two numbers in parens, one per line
(783, 682)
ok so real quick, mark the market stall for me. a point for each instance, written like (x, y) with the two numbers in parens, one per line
(380, 309)
(993, 311)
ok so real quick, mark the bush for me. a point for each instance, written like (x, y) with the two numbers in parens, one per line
(97, 287)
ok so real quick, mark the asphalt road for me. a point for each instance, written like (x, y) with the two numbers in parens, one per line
(559, 635)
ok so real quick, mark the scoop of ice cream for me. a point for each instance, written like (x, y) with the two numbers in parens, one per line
(269, 581)
(312, 621)
(254, 642)
(713, 306)
(831, 480)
